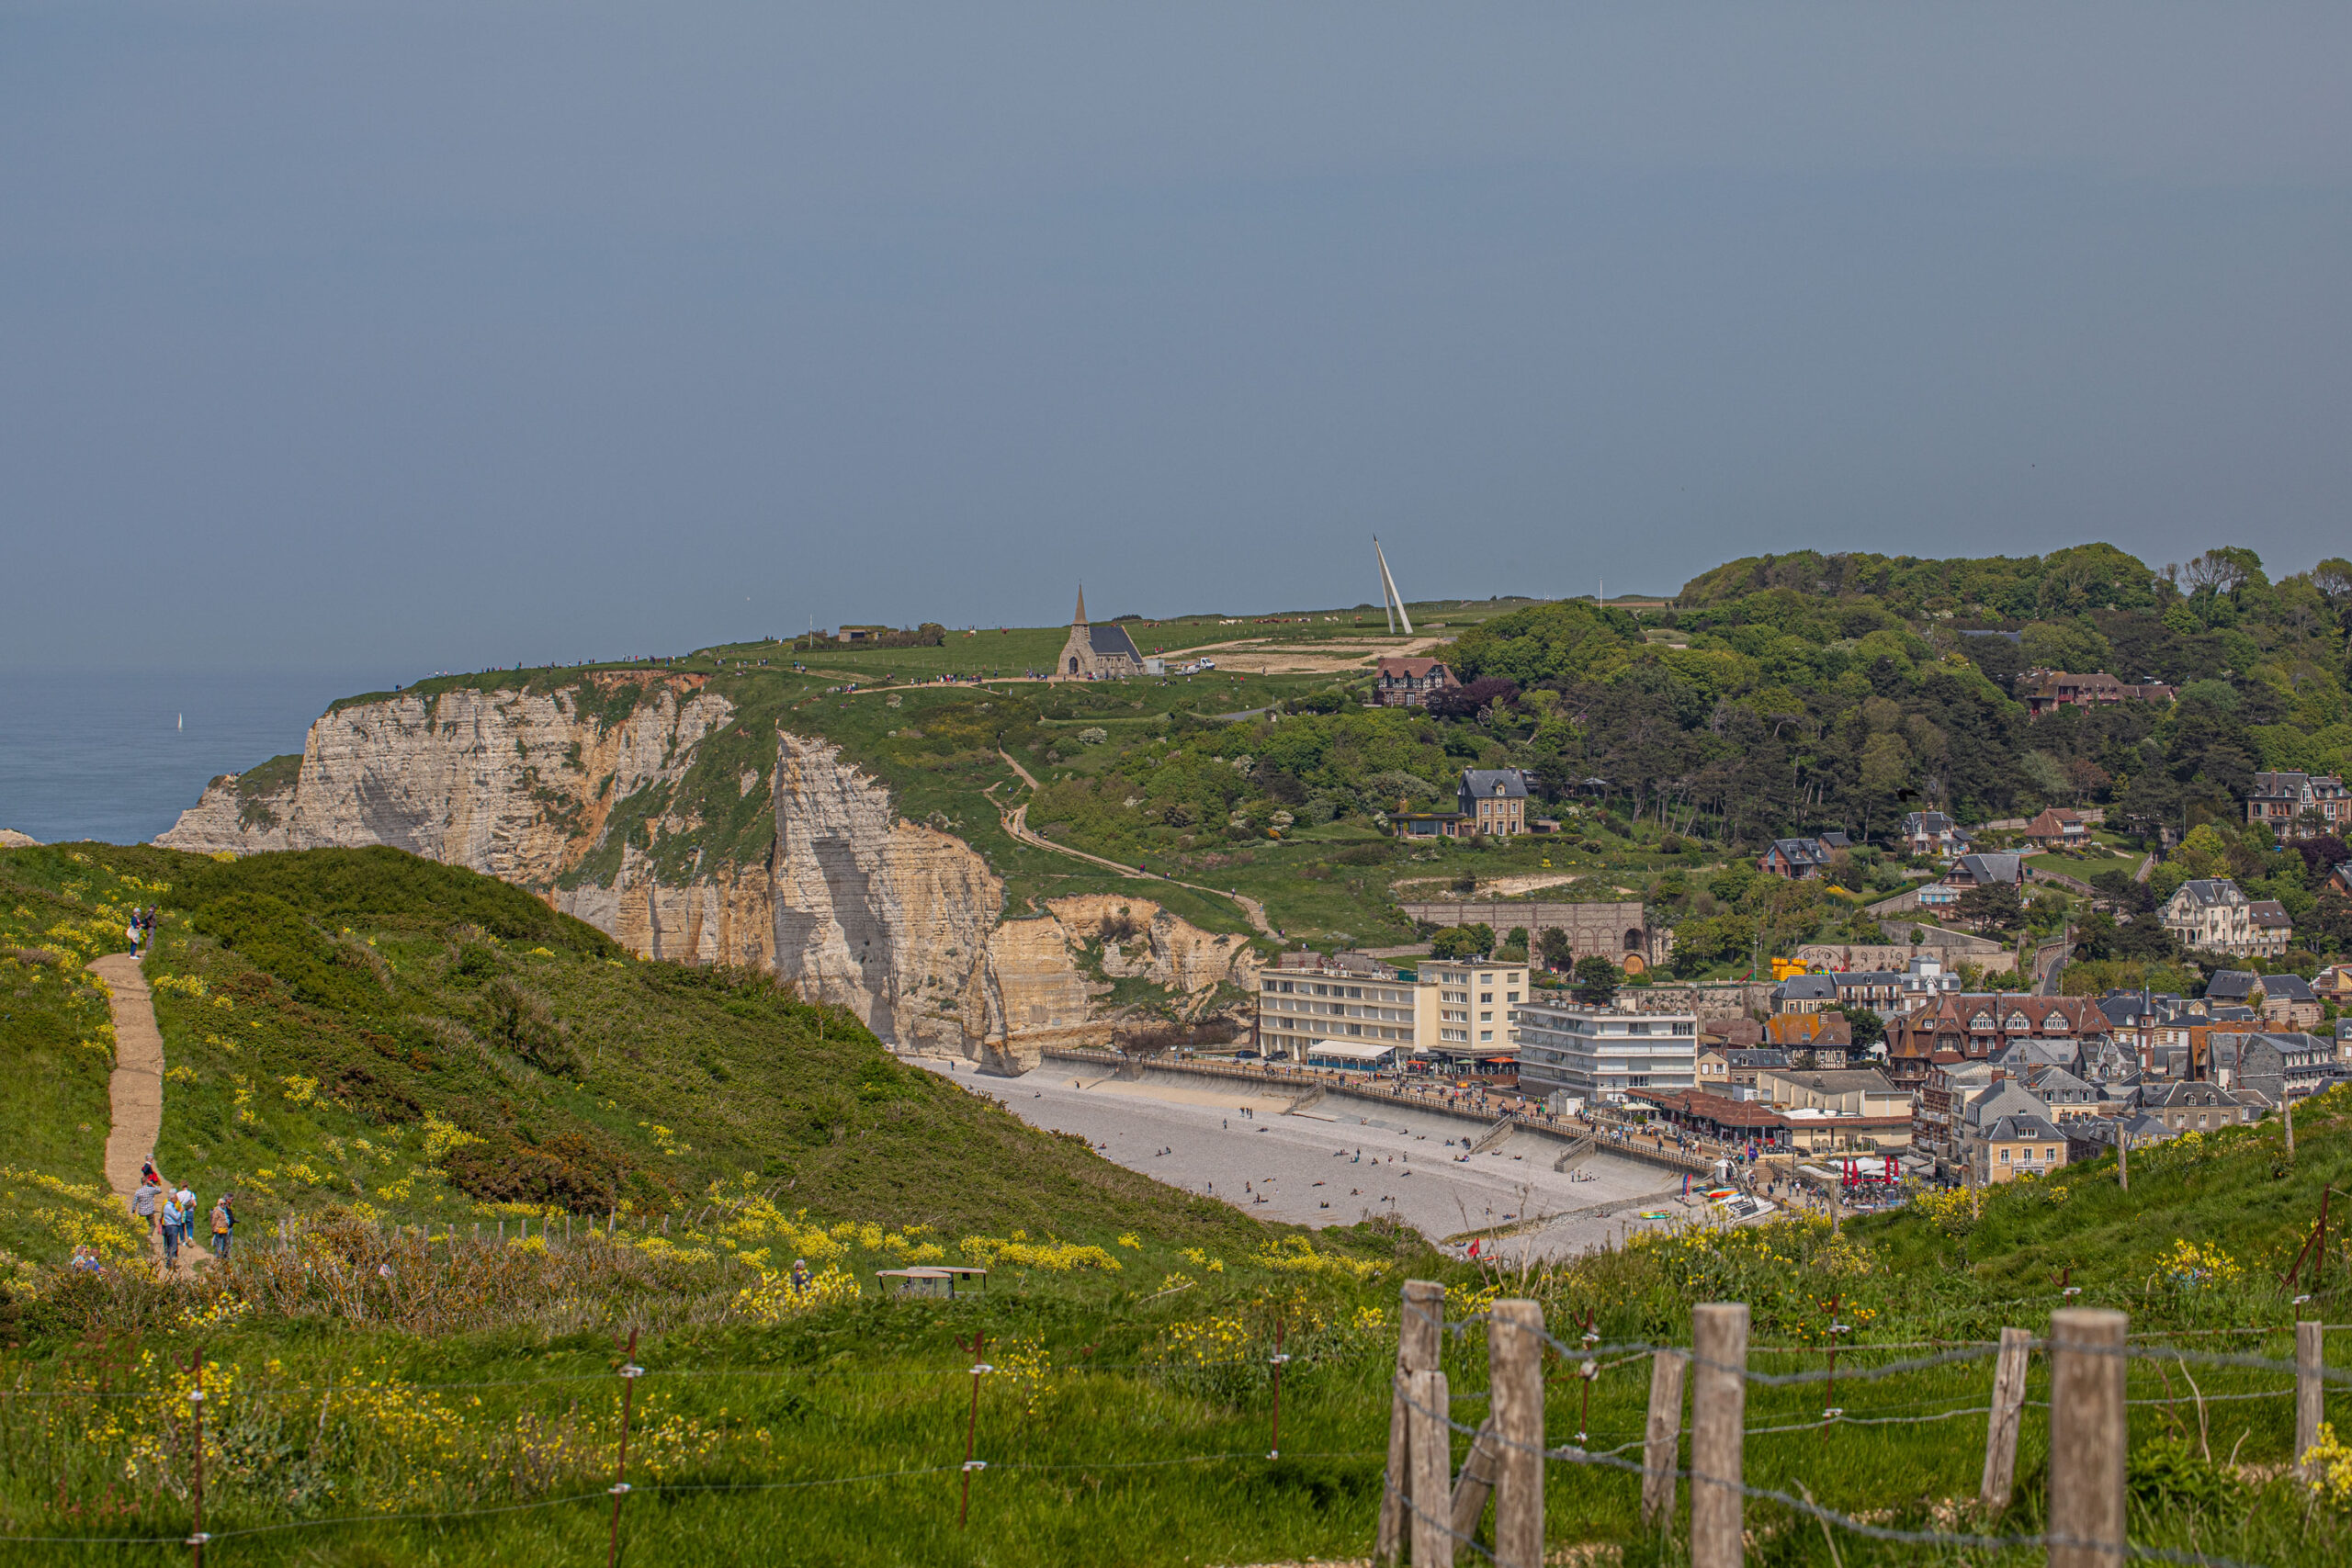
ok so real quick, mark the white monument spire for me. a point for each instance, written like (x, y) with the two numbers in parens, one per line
(1393, 602)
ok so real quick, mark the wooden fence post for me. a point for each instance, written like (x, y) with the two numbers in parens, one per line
(2309, 1391)
(1418, 1326)
(1515, 1361)
(1432, 1458)
(2123, 1159)
(2287, 1107)
(1664, 1444)
(2086, 1437)
(2001, 1427)
(1718, 1413)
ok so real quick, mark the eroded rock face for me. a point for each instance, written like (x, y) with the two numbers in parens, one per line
(900, 923)
(872, 911)
(1142, 940)
(489, 780)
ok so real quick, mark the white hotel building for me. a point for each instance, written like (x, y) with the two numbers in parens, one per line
(1597, 1054)
(1462, 1012)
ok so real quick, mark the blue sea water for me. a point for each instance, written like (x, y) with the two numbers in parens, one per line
(117, 755)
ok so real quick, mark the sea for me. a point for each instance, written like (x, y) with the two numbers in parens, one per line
(116, 755)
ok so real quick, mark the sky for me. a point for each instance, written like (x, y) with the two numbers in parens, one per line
(436, 336)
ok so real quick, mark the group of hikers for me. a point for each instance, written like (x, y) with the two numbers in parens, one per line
(175, 1213)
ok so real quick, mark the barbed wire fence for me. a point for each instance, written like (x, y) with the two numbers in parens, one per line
(1430, 1511)
(1435, 1511)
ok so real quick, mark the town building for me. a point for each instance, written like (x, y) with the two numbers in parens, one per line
(2210, 913)
(2194, 1106)
(1971, 871)
(2043, 690)
(1457, 1012)
(2023, 1144)
(1931, 833)
(1865, 1092)
(2289, 1001)
(1407, 682)
(1804, 993)
(1715, 1116)
(1604, 1054)
(1097, 653)
(1802, 1128)
(2274, 1066)
(2057, 829)
(1492, 800)
(1722, 1069)
(2066, 1095)
(2273, 929)
(1977, 1025)
(1802, 859)
(1824, 1035)
(2299, 805)
(1951, 1083)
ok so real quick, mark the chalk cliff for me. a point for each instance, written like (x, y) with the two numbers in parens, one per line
(903, 924)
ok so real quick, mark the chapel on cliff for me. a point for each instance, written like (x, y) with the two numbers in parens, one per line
(1097, 653)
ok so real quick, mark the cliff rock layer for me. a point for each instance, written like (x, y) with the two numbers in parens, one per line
(900, 923)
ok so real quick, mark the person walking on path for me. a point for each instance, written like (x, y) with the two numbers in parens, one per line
(173, 1220)
(143, 1204)
(224, 1225)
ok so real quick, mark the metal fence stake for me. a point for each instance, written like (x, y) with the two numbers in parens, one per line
(1718, 1413)
(1432, 1457)
(196, 1536)
(2086, 1437)
(630, 1372)
(1275, 1444)
(1515, 1362)
(2309, 1390)
(1663, 1440)
(2001, 1426)
(972, 1432)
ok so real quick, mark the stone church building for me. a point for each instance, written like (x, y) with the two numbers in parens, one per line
(1097, 653)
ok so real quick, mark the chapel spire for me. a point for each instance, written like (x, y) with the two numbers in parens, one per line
(1080, 619)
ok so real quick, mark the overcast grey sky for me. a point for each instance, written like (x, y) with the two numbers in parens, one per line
(454, 334)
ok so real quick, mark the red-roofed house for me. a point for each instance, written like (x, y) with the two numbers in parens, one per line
(1407, 682)
(2057, 827)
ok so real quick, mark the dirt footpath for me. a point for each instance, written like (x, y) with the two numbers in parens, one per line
(137, 1087)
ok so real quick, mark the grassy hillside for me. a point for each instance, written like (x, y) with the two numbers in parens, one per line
(420, 1044)
(361, 1016)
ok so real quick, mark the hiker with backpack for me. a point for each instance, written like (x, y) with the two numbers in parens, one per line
(224, 1225)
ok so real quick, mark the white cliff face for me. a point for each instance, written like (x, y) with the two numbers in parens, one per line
(871, 911)
(489, 780)
(900, 923)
